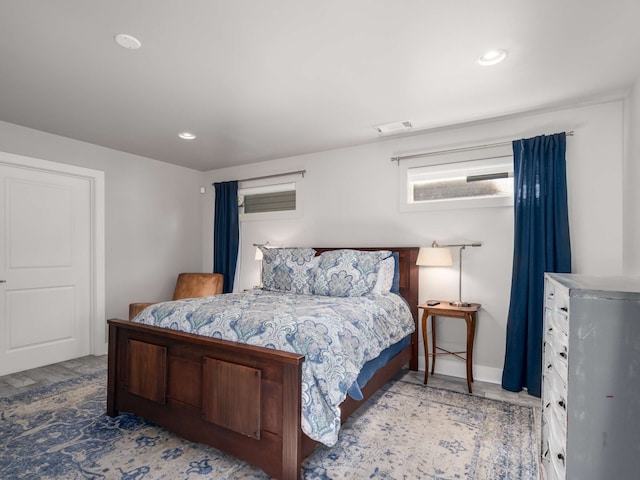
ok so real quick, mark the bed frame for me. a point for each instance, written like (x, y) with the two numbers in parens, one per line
(240, 399)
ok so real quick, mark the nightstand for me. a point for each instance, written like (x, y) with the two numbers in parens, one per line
(443, 309)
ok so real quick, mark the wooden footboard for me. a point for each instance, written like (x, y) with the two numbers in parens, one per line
(241, 399)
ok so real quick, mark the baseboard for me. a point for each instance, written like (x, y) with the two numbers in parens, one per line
(458, 369)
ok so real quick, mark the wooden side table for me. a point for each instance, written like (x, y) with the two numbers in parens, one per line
(443, 309)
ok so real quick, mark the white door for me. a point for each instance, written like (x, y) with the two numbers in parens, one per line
(45, 268)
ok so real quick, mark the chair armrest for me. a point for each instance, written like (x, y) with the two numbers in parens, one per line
(136, 308)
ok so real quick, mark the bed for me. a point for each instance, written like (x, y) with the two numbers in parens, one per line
(240, 398)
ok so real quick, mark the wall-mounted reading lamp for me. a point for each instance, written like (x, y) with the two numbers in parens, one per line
(440, 256)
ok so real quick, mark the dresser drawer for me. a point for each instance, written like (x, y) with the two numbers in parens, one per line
(549, 327)
(557, 440)
(554, 334)
(549, 295)
(547, 363)
(561, 297)
(555, 398)
(556, 363)
(546, 389)
(556, 295)
(547, 346)
(559, 360)
(560, 319)
(558, 469)
(557, 322)
(545, 452)
(544, 447)
(546, 469)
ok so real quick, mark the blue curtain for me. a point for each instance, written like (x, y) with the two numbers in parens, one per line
(541, 244)
(226, 232)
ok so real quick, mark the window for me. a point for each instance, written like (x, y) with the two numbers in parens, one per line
(452, 181)
(264, 199)
(271, 198)
(473, 179)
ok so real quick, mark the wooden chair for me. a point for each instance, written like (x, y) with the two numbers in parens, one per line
(188, 285)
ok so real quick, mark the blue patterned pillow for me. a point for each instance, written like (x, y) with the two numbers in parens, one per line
(347, 273)
(288, 269)
(395, 286)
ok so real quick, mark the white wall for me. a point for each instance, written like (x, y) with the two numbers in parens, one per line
(350, 199)
(152, 219)
(158, 224)
(632, 181)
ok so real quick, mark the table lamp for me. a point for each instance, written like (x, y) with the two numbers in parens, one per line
(440, 256)
(259, 256)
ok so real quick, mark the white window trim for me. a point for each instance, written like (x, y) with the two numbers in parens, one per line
(404, 205)
(267, 185)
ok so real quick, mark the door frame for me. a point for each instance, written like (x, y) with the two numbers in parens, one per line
(98, 324)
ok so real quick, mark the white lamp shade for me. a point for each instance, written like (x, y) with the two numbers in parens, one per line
(434, 257)
(259, 252)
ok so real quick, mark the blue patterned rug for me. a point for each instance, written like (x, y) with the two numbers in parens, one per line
(407, 431)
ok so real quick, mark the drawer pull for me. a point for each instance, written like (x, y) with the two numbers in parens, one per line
(564, 309)
(561, 458)
(549, 366)
(561, 403)
(563, 354)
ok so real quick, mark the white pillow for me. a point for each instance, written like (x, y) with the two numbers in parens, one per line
(384, 282)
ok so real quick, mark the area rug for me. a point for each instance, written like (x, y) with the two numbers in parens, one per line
(407, 431)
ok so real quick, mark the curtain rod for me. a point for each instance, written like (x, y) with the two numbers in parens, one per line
(297, 172)
(456, 150)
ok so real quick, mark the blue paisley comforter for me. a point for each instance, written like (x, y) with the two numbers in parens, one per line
(337, 335)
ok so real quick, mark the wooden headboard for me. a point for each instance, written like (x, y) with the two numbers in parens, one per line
(408, 285)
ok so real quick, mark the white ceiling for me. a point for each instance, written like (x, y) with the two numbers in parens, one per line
(265, 79)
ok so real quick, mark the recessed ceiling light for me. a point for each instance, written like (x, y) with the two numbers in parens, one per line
(127, 41)
(492, 57)
(187, 135)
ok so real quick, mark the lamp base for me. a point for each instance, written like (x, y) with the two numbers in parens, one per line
(459, 304)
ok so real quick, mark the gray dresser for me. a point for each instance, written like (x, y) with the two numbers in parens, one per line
(591, 378)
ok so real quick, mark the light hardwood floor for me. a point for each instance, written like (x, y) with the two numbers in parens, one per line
(37, 377)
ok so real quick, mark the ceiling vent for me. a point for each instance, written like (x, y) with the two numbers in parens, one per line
(394, 127)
